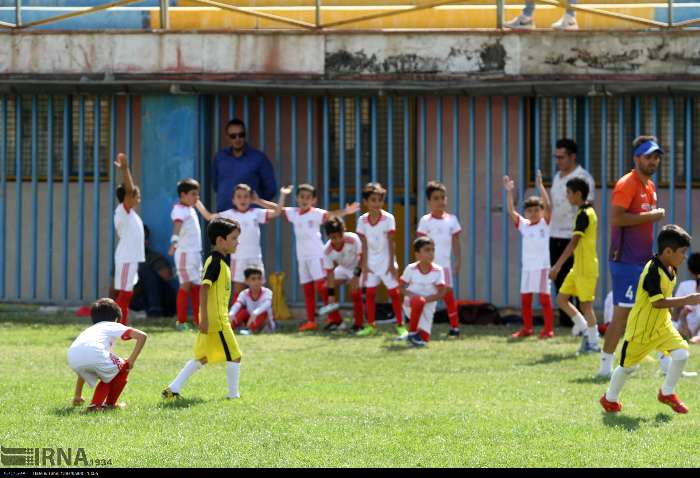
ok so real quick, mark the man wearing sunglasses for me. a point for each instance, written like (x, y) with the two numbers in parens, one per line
(241, 164)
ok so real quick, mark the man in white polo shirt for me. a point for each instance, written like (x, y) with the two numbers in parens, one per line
(562, 222)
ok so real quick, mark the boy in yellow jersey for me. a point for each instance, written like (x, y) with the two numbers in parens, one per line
(215, 341)
(649, 324)
(582, 279)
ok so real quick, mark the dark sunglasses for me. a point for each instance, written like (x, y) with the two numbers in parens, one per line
(237, 135)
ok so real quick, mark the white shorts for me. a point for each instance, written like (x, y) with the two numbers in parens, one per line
(238, 267)
(341, 273)
(535, 282)
(126, 276)
(373, 280)
(425, 323)
(311, 270)
(92, 366)
(189, 266)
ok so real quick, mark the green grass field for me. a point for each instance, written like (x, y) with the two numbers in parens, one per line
(338, 401)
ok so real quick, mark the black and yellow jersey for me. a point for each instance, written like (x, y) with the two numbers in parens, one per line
(585, 254)
(217, 276)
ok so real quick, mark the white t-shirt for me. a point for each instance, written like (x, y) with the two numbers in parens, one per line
(349, 254)
(421, 283)
(563, 212)
(377, 235)
(685, 288)
(190, 233)
(129, 227)
(307, 230)
(535, 244)
(249, 239)
(97, 341)
(254, 305)
(441, 230)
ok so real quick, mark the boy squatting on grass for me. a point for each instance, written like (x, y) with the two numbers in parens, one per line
(649, 324)
(215, 342)
(90, 356)
(252, 310)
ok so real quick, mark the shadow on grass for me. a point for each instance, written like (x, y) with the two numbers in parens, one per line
(551, 358)
(662, 419)
(590, 380)
(179, 403)
(67, 411)
(628, 423)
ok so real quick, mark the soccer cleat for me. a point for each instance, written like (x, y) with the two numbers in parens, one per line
(93, 408)
(587, 348)
(521, 22)
(181, 327)
(116, 406)
(331, 326)
(673, 401)
(416, 340)
(401, 331)
(610, 407)
(243, 331)
(521, 334)
(576, 330)
(453, 333)
(355, 328)
(328, 308)
(168, 394)
(308, 326)
(602, 374)
(367, 331)
(567, 22)
(235, 397)
(546, 334)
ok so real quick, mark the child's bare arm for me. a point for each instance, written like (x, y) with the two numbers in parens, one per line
(122, 163)
(346, 211)
(570, 248)
(208, 216)
(439, 295)
(174, 238)
(392, 255)
(546, 202)
(140, 338)
(457, 252)
(363, 263)
(203, 313)
(509, 185)
(670, 302)
(78, 394)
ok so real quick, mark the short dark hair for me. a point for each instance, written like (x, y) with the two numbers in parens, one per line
(643, 139)
(251, 271)
(534, 201)
(434, 186)
(373, 188)
(568, 144)
(579, 185)
(235, 122)
(121, 192)
(221, 227)
(673, 237)
(187, 185)
(306, 187)
(333, 225)
(243, 187)
(105, 310)
(421, 242)
(694, 263)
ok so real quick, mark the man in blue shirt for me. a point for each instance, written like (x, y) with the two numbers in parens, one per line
(238, 164)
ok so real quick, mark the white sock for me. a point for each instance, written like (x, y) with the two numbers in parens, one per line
(664, 362)
(190, 367)
(592, 333)
(606, 362)
(580, 321)
(233, 371)
(679, 357)
(619, 377)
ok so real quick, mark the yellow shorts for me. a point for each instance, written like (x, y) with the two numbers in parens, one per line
(217, 346)
(634, 352)
(582, 287)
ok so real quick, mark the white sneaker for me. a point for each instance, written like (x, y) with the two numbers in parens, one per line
(577, 330)
(521, 22)
(567, 22)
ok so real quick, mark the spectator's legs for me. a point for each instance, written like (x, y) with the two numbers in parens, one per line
(556, 249)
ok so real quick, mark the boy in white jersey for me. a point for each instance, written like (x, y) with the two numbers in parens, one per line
(422, 285)
(91, 357)
(534, 279)
(443, 229)
(341, 259)
(376, 230)
(186, 246)
(307, 220)
(253, 308)
(131, 245)
(249, 251)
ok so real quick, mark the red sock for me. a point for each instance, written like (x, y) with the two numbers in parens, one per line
(181, 306)
(417, 306)
(116, 386)
(310, 301)
(123, 300)
(424, 335)
(527, 310)
(371, 304)
(546, 302)
(241, 318)
(395, 295)
(451, 304)
(194, 295)
(100, 395)
(259, 322)
(357, 307)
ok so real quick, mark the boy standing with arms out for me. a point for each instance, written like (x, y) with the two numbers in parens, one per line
(91, 357)
(130, 248)
(582, 279)
(649, 324)
(307, 220)
(422, 285)
(534, 279)
(376, 230)
(253, 308)
(215, 342)
(443, 229)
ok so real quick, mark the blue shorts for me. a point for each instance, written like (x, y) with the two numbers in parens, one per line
(625, 279)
